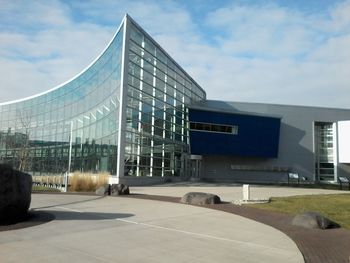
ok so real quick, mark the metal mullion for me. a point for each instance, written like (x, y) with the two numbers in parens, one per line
(139, 126)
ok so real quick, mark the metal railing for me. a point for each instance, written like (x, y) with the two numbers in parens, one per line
(59, 181)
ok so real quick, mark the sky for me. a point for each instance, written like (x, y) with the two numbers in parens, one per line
(282, 52)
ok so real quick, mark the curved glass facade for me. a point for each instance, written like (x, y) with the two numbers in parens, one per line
(126, 114)
(73, 125)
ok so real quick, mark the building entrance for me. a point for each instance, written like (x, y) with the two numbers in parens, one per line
(196, 166)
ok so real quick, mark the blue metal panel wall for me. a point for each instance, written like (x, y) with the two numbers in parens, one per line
(257, 136)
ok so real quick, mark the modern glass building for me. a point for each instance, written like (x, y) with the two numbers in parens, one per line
(126, 114)
(136, 114)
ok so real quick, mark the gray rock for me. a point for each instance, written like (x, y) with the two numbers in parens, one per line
(102, 190)
(119, 189)
(313, 220)
(198, 198)
(15, 194)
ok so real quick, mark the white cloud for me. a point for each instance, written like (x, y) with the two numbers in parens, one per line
(15, 75)
(341, 16)
(52, 58)
(268, 31)
(22, 14)
(275, 55)
(37, 60)
(258, 53)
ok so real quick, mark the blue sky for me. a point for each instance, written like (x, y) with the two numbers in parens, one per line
(285, 52)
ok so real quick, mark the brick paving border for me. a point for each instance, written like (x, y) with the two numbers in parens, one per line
(316, 245)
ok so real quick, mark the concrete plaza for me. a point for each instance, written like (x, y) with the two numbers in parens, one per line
(122, 229)
(228, 192)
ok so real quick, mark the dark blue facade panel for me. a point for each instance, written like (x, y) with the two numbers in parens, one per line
(257, 136)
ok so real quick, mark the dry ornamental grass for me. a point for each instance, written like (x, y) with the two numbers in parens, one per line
(77, 182)
(87, 182)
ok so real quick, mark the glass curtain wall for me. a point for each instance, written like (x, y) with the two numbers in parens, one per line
(80, 119)
(158, 91)
(324, 151)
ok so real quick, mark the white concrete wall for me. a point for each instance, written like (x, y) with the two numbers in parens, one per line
(344, 141)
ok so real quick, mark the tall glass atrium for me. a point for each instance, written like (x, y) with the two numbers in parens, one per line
(126, 114)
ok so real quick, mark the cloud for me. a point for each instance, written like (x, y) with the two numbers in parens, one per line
(16, 74)
(263, 31)
(276, 55)
(341, 16)
(261, 52)
(46, 48)
(18, 14)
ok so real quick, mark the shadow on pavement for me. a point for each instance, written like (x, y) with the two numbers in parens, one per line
(35, 218)
(71, 215)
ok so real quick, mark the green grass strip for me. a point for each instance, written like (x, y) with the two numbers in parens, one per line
(335, 206)
(44, 189)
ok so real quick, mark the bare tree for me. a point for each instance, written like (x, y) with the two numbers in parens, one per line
(24, 118)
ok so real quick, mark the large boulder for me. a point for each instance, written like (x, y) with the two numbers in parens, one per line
(15, 194)
(313, 220)
(119, 189)
(198, 198)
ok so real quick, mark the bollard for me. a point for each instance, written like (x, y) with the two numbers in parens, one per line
(66, 182)
(246, 192)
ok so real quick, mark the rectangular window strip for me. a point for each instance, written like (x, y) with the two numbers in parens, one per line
(210, 127)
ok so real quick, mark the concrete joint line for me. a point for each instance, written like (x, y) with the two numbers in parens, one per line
(69, 209)
(127, 221)
(203, 235)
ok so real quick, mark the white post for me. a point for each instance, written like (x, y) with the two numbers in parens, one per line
(70, 146)
(66, 182)
(69, 157)
(246, 192)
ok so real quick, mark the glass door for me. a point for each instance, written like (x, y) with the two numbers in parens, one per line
(196, 166)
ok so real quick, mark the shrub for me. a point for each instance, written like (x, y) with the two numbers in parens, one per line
(87, 182)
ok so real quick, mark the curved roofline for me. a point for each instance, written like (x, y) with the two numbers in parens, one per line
(74, 77)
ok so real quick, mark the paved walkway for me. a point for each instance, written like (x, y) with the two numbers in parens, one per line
(317, 246)
(112, 229)
(227, 192)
